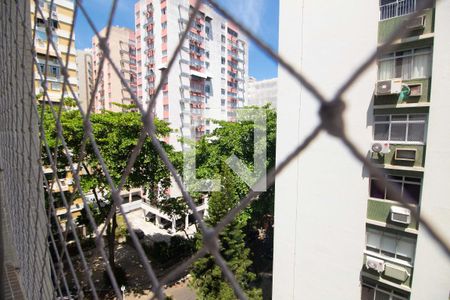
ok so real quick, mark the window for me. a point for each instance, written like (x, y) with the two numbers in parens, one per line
(222, 102)
(163, 11)
(223, 60)
(164, 39)
(400, 128)
(222, 38)
(223, 91)
(207, 65)
(56, 86)
(408, 64)
(223, 49)
(164, 53)
(166, 107)
(222, 70)
(222, 25)
(164, 25)
(374, 291)
(408, 185)
(390, 245)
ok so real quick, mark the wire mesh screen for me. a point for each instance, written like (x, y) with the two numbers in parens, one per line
(48, 267)
(22, 196)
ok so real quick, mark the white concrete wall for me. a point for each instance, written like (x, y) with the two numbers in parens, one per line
(431, 278)
(320, 201)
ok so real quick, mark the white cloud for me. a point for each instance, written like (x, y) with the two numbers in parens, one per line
(247, 11)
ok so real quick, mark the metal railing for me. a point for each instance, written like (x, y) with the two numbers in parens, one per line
(20, 163)
(397, 9)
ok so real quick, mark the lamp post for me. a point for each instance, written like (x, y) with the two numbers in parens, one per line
(122, 288)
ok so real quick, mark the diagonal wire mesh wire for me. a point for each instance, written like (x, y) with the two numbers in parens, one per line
(60, 274)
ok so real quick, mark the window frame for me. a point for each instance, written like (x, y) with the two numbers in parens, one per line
(404, 180)
(414, 52)
(407, 122)
(384, 290)
(396, 256)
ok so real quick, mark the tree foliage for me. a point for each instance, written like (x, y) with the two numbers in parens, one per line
(207, 276)
(116, 134)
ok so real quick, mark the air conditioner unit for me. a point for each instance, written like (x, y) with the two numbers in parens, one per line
(380, 148)
(400, 215)
(417, 23)
(415, 89)
(396, 272)
(405, 154)
(375, 264)
(388, 87)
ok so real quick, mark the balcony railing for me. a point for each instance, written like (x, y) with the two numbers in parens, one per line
(397, 9)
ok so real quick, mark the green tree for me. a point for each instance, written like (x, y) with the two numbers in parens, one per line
(237, 138)
(116, 134)
(207, 278)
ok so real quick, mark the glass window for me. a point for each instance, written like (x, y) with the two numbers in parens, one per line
(409, 186)
(400, 128)
(381, 132)
(410, 64)
(390, 245)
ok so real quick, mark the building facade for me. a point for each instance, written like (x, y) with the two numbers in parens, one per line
(85, 76)
(261, 92)
(207, 79)
(61, 19)
(111, 94)
(401, 261)
(339, 233)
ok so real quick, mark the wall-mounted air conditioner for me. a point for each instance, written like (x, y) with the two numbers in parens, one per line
(388, 87)
(382, 148)
(400, 215)
(396, 272)
(375, 264)
(405, 154)
(415, 89)
(417, 23)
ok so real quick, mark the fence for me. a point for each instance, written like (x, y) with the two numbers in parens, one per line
(22, 176)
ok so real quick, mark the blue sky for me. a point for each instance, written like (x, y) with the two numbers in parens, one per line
(259, 15)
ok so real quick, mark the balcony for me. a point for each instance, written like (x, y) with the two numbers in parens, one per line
(420, 95)
(415, 156)
(380, 211)
(424, 26)
(397, 8)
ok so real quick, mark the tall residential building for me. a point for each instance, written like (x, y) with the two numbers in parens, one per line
(207, 79)
(110, 90)
(85, 76)
(61, 19)
(261, 92)
(339, 233)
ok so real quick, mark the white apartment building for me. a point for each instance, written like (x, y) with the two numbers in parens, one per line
(207, 79)
(61, 19)
(261, 92)
(338, 233)
(85, 77)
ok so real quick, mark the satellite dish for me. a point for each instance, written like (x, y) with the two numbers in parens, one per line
(377, 147)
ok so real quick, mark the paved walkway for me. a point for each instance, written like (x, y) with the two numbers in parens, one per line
(178, 292)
